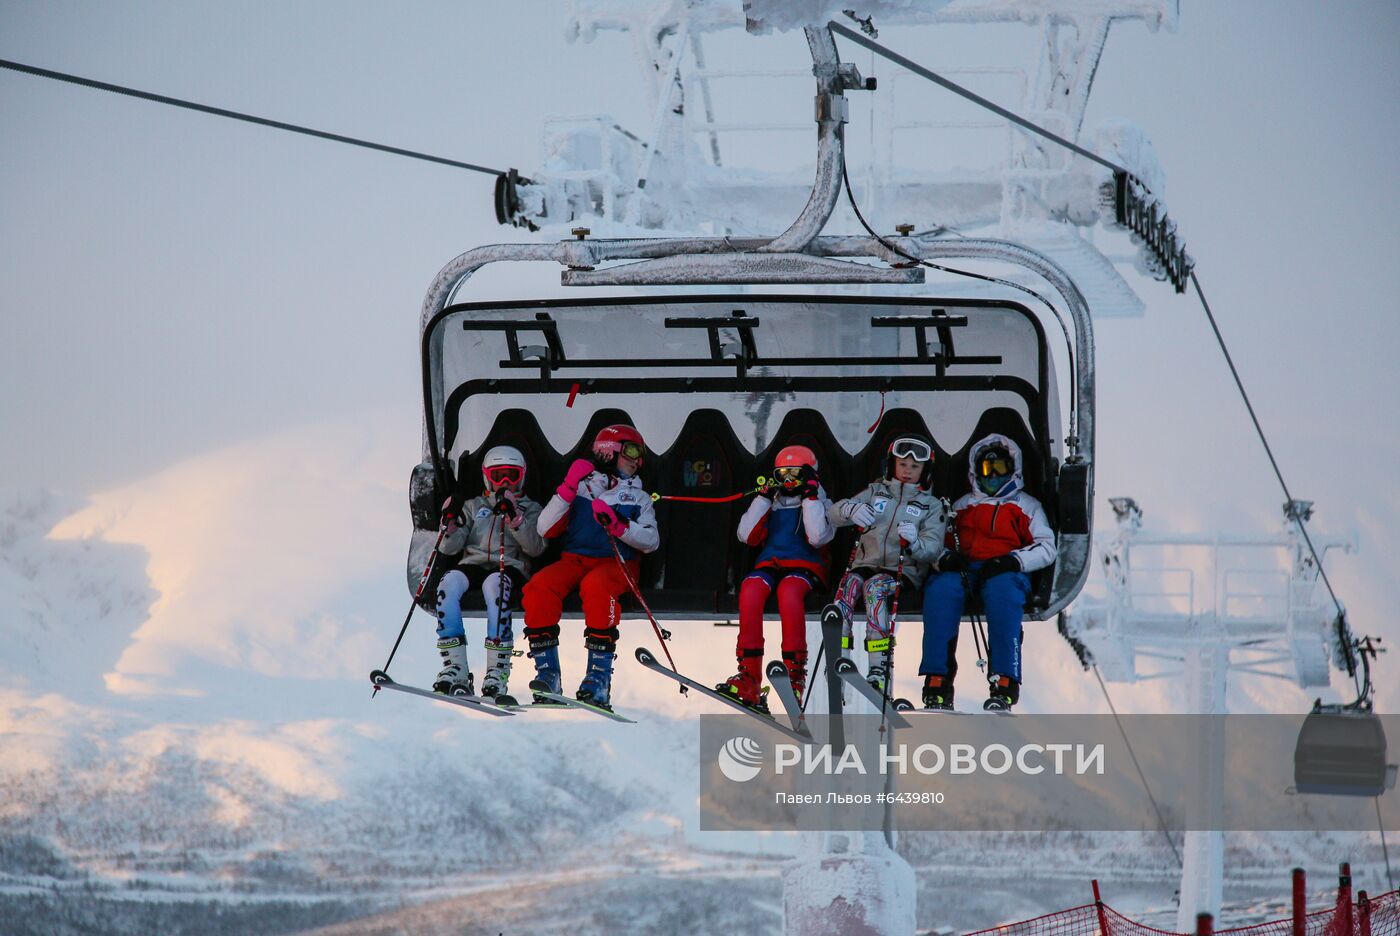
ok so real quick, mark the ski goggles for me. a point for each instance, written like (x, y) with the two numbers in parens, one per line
(501, 475)
(788, 474)
(917, 449)
(631, 450)
(995, 467)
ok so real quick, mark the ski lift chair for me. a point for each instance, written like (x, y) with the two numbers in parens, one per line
(835, 466)
(792, 360)
(697, 559)
(514, 427)
(870, 463)
(519, 428)
(1036, 472)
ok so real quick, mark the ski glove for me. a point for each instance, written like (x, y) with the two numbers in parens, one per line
(451, 516)
(951, 562)
(505, 505)
(811, 484)
(607, 519)
(568, 489)
(999, 566)
(862, 515)
(908, 533)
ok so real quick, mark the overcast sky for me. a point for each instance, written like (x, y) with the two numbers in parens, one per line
(173, 283)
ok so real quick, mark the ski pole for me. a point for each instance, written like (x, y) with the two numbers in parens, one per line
(978, 637)
(661, 633)
(422, 583)
(816, 668)
(894, 615)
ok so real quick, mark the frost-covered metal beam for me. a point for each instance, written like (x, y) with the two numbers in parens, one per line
(831, 112)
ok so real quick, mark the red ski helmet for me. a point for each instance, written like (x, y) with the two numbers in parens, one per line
(612, 441)
(787, 467)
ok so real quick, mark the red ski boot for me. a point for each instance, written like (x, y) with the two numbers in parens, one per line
(796, 663)
(746, 686)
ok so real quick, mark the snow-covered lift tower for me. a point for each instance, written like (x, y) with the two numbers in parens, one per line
(1193, 607)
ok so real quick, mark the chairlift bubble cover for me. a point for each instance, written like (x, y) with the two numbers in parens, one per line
(758, 367)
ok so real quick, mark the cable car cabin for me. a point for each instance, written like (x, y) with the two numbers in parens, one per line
(717, 385)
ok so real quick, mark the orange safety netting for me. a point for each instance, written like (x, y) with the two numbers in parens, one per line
(1379, 916)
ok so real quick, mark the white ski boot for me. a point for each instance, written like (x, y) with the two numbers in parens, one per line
(455, 677)
(498, 660)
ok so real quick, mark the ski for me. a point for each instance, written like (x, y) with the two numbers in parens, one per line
(645, 658)
(890, 707)
(782, 685)
(563, 701)
(381, 680)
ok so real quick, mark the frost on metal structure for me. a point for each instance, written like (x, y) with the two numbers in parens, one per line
(1261, 611)
(672, 176)
(1261, 602)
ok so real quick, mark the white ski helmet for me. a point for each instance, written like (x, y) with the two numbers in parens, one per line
(502, 467)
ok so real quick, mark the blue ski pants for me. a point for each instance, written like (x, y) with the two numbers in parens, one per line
(1003, 601)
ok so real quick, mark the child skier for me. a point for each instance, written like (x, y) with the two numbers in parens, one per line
(599, 502)
(479, 531)
(902, 527)
(788, 520)
(999, 533)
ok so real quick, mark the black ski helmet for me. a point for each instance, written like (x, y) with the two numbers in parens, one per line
(911, 445)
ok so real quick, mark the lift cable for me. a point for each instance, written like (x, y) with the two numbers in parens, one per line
(249, 118)
(890, 246)
(1161, 821)
(1363, 686)
(1380, 824)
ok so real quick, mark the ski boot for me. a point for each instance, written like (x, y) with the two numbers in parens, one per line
(746, 686)
(596, 688)
(878, 675)
(545, 652)
(796, 663)
(938, 693)
(1003, 692)
(455, 678)
(495, 684)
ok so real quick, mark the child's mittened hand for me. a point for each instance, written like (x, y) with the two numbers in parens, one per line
(862, 515)
(951, 562)
(1000, 565)
(580, 469)
(908, 532)
(608, 519)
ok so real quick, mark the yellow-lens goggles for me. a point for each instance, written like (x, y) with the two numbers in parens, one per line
(994, 467)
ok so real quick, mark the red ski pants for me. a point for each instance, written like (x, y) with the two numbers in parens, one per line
(599, 582)
(792, 589)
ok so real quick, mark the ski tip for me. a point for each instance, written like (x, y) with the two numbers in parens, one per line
(379, 678)
(844, 665)
(644, 656)
(776, 669)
